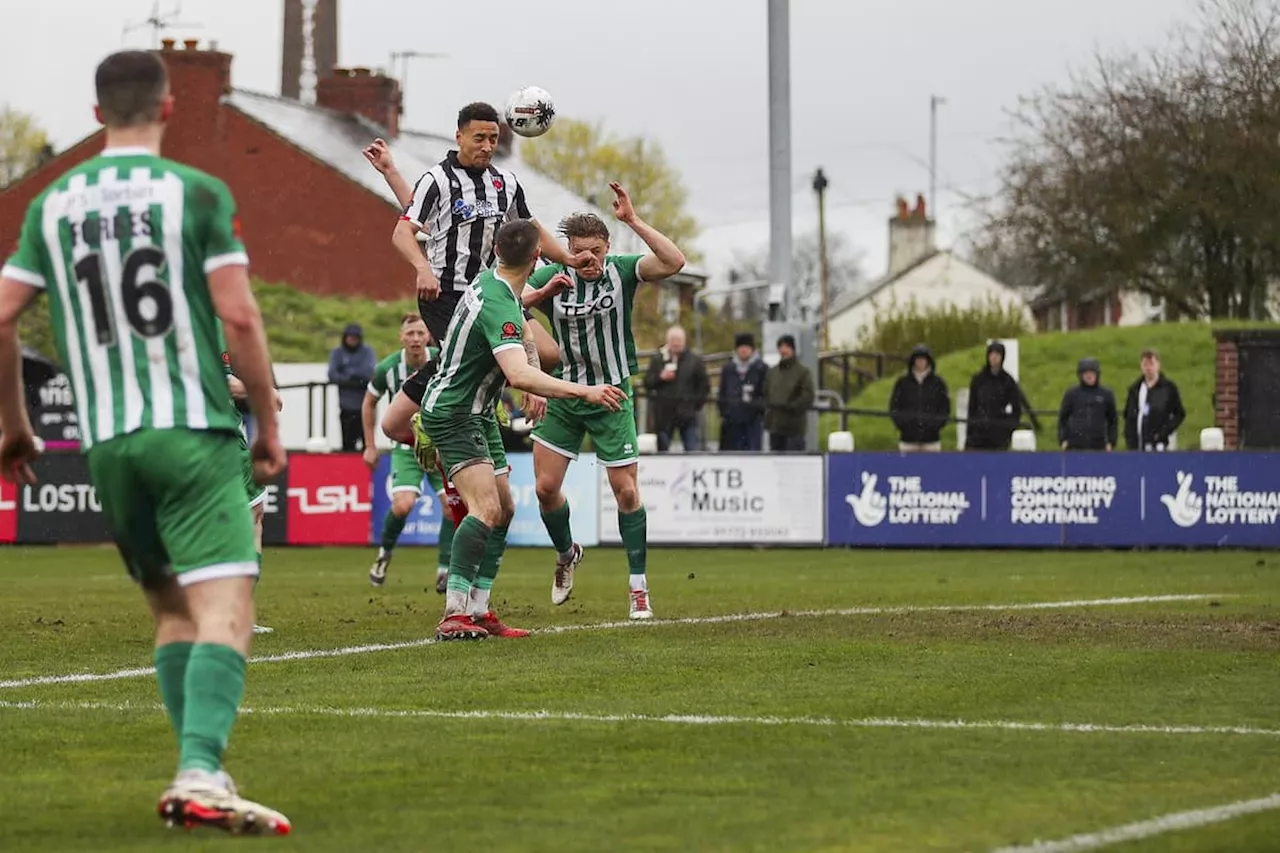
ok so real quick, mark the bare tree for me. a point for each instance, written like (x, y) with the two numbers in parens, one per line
(844, 272)
(1156, 172)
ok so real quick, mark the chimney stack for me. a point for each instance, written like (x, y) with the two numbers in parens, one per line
(324, 44)
(198, 80)
(358, 91)
(912, 236)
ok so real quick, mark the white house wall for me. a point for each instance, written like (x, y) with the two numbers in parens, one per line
(942, 280)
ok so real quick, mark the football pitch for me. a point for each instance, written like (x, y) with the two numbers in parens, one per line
(783, 700)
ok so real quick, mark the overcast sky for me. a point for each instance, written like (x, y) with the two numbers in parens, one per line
(691, 74)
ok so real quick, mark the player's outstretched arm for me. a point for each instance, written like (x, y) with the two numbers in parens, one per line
(18, 442)
(379, 156)
(247, 342)
(520, 375)
(664, 258)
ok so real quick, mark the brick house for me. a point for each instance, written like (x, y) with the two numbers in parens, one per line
(315, 214)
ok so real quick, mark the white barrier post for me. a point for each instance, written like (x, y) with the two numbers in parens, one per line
(318, 444)
(1213, 438)
(647, 443)
(1024, 440)
(840, 442)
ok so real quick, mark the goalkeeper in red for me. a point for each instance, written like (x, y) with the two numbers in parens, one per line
(591, 319)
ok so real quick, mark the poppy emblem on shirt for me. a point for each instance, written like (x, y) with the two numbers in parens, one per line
(509, 330)
(226, 358)
(498, 184)
(235, 226)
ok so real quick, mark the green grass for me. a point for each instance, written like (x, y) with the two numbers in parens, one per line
(85, 778)
(1047, 368)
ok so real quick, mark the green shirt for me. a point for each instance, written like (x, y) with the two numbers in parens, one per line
(591, 320)
(122, 245)
(488, 320)
(391, 373)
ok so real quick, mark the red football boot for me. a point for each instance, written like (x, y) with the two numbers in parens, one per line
(496, 628)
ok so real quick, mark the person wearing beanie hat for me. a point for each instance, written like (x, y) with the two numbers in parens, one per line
(1087, 418)
(741, 397)
(995, 404)
(788, 396)
(351, 366)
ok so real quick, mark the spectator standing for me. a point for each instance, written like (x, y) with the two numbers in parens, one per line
(678, 387)
(920, 404)
(742, 397)
(351, 366)
(995, 404)
(788, 396)
(1087, 418)
(1153, 409)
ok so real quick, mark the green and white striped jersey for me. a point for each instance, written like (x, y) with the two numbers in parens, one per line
(591, 320)
(391, 373)
(488, 320)
(122, 245)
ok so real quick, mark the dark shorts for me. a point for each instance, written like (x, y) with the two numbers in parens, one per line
(437, 314)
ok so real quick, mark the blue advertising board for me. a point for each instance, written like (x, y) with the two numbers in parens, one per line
(423, 526)
(1054, 499)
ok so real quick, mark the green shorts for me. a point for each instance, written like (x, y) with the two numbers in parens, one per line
(463, 440)
(406, 475)
(613, 434)
(252, 490)
(175, 503)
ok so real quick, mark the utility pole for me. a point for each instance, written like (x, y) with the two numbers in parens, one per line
(780, 150)
(820, 187)
(935, 101)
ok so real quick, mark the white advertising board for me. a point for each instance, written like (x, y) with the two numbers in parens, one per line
(725, 499)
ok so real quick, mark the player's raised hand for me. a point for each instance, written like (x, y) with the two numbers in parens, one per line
(622, 207)
(18, 449)
(268, 459)
(558, 282)
(378, 153)
(609, 396)
(579, 260)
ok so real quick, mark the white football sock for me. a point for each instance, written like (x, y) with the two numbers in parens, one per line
(639, 582)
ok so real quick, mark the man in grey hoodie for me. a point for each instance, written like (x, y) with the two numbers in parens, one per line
(351, 366)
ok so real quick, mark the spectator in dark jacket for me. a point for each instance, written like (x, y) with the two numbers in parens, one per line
(742, 397)
(1087, 418)
(995, 404)
(1153, 410)
(920, 403)
(678, 387)
(788, 396)
(351, 366)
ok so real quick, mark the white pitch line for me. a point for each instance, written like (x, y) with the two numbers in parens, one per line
(1147, 828)
(312, 654)
(670, 719)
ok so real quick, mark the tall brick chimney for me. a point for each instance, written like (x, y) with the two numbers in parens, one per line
(358, 91)
(198, 80)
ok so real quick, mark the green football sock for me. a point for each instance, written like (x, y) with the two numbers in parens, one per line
(171, 672)
(634, 527)
(494, 549)
(557, 524)
(392, 527)
(214, 689)
(444, 550)
(469, 545)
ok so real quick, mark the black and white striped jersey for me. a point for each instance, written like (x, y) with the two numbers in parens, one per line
(459, 209)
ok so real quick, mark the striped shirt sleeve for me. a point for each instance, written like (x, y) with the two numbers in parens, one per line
(519, 208)
(426, 198)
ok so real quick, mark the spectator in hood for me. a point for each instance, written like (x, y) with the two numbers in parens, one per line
(678, 387)
(1087, 418)
(920, 404)
(1153, 410)
(788, 396)
(351, 366)
(995, 404)
(742, 397)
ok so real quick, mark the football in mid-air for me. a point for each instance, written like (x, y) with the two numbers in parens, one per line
(530, 111)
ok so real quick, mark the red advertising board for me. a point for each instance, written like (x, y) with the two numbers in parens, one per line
(8, 512)
(329, 499)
